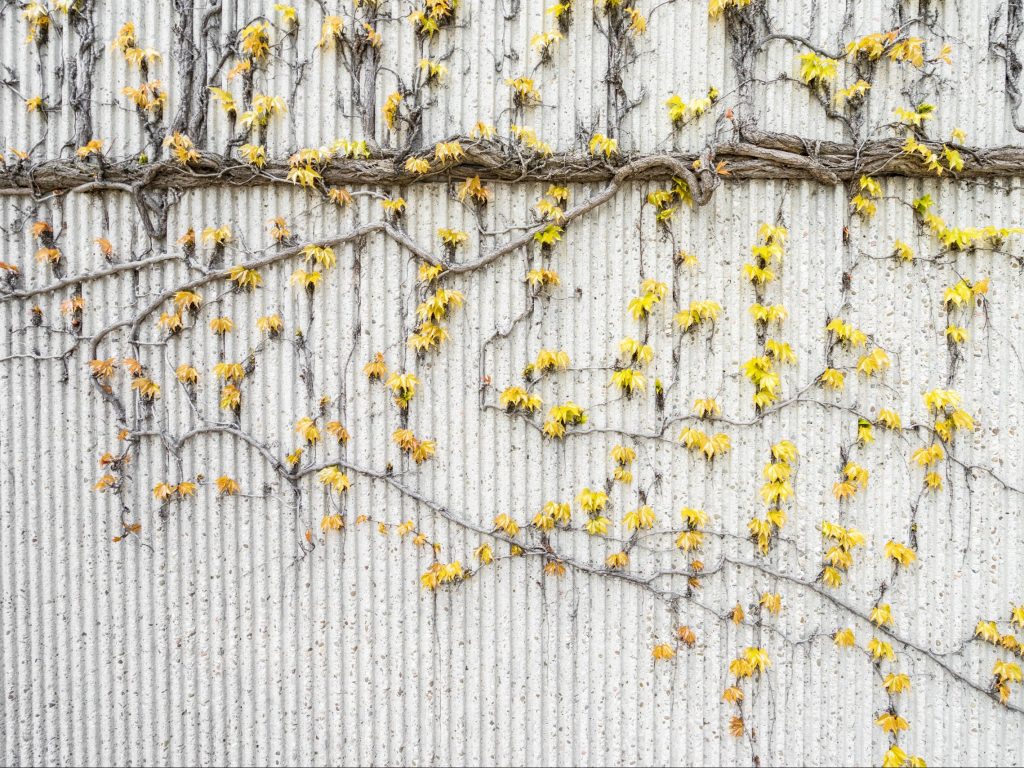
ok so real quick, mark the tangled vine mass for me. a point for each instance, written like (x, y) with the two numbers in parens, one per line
(220, 110)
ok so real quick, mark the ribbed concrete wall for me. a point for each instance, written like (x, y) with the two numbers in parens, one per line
(683, 52)
(222, 634)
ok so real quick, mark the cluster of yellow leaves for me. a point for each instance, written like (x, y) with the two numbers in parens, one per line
(706, 408)
(962, 294)
(623, 456)
(516, 398)
(474, 189)
(337, 430)
(833, 379)
(817, 71)
(843, 333)
(544, 43)
(91, 147)
(875, 361)
(432, 16)
(403, 387)
(393, 206)
(484, 554)
(889, 419)
(635, 352)
(182, 148)
(717, 7)
(331, 30)
(871, 46)
(148, 97)
(662, 651)
(448, 152)
(776, 491)
(603, 145)
(271, 325)
(903, 251)
(289, 16)
(528, 137)
(541, 279)
(768, 314)
(225, 371)
(553, 567)
(254, 40)
(230, 397)
(895, 757)
(900, 553)
(629, 381)
(524, 91)
(484, 131)
(666, 201)
(561, 416)
(944, 405)
(147, 388)
(452, 238)
(954, 161)
(911, 50)
(753, 662)
(865, 433)
(334, 479)
(245, 278)
(222, 324)
(227, 486)
(37, 16)
(651, 294)
(593, 503)
(551, 514)
(851, 93)
(761, 370)
(691, 538)
(679, 111)
(708, 445)
(506, 524)
(217, 236)
(637, 21)
(431, 312)
(771, 602)
(439, 574)
(881, 615)
(376, 369)
(840, 543)
(864, 201)
(322, 256)
(307, 429)
(1004, 672)
(917, 116)
(163, 492)
(947, 402)
(550, 204)
(419, 449)
(125, 43)
(547, 361)
(766, 380)
(641, 518)
(433, 71)
(417, 165)
(957, 238)
(890, 722)
(263, 108)
(698, 312)
(105, 370)
(853, 478)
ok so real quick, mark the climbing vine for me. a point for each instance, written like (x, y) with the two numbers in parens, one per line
(224, 116)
